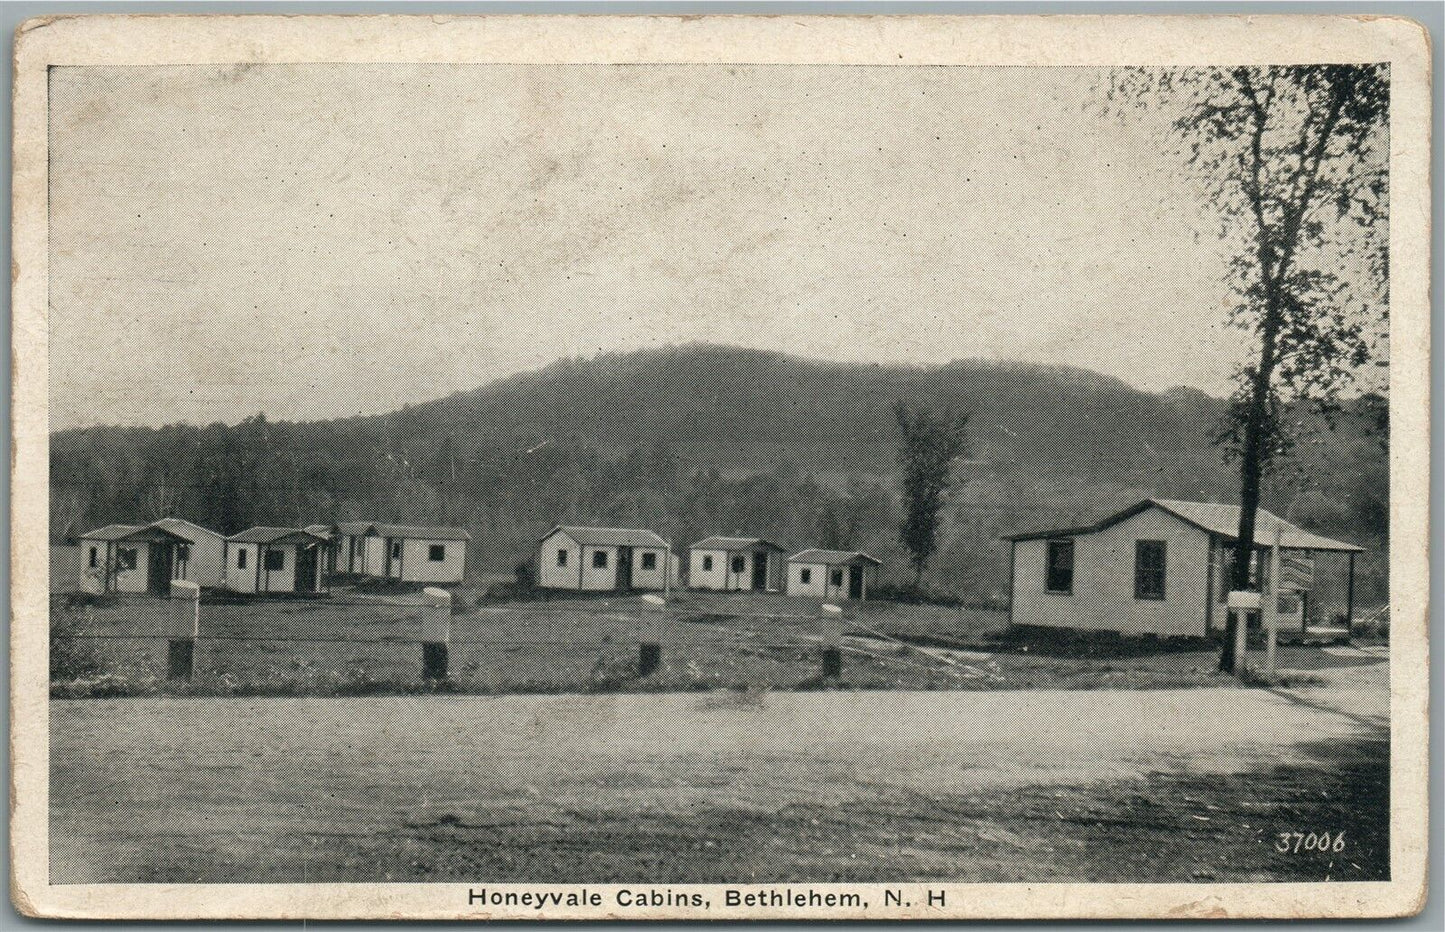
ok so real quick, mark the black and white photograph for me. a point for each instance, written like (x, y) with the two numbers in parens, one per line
(793, 479)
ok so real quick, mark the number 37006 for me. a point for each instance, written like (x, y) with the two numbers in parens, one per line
(1293, 842)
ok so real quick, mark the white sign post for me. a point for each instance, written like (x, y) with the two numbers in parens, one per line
(1241, 601)
(1271, 604)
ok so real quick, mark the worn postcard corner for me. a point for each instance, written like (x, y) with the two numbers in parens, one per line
(720, 467)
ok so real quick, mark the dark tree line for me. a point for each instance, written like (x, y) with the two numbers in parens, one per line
(1045, 449)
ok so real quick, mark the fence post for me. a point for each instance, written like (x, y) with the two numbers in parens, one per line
(436, 629)
(649, 658)
(184, 608)
(832, 616)
(650, 626)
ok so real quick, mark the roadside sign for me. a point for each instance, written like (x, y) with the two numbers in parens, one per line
(1244, 601)
(1296, 572)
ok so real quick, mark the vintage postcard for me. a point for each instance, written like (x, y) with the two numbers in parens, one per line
(720, 467)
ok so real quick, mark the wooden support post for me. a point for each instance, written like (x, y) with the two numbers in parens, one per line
(1270, 606)
(436, 634)
(667, 572)
(1350, 599)
(1241, 644)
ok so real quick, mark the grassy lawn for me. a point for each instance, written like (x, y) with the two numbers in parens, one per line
(353, 644)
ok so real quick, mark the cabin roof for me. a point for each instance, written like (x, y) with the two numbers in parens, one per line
(1213, 518)
(718, 542)
(188, 529)
(421, 532)
(834, 557)
(275, 535)
(609, 536)
(137, 532)
(412, 531)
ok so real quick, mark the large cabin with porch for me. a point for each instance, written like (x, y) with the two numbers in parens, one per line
(736, 564)
(134, 558)
(1159, 567)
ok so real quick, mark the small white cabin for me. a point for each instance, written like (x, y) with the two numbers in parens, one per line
(832, 574)
(276, 559)
(423, 554)
(404, 552)
(600, 559)
(1159, 567)
(203, 560)
(736, 564)
(358, 548)
(131, 558)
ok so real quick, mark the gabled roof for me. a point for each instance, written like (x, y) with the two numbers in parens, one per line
(320, 530)
(189, 530)
(609, 536)
(421, 533)
(1220, 520)
(275, 535)
(137, 532)
(111, 532)
(718, 542)
(834, 557)
(416, 532)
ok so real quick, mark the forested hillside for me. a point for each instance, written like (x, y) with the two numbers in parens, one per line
(704, 439)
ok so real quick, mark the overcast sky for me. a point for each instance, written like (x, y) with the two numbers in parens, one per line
(321, 241)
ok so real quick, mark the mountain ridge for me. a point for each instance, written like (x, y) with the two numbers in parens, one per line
(704, 438)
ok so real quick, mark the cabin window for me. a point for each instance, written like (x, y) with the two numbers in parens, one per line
(396, 550)
(1149, 569)
(805, 576)
(707, 564)
(275, 560)
(837, 577)
(561, 557)
(241, 559)
(125, 558)
(183, 551)
(1061, 566)
(599, 559)
(436, 553)
(649, 561)
(739, 564)
(94, 557)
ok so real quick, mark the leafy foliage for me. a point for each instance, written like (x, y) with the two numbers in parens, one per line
(928, 446)
(1295, 159)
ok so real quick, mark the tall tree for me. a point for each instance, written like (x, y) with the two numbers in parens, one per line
(928, 445)
(1295, 160)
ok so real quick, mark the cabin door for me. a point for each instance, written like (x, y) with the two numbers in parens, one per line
(158, 572)
(624, 567)
(305, 569)
(855, 582)
(760, 570)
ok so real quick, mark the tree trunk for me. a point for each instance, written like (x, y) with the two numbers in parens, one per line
(1251, 468)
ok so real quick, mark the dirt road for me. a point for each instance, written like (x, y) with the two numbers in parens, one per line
(716, 786)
